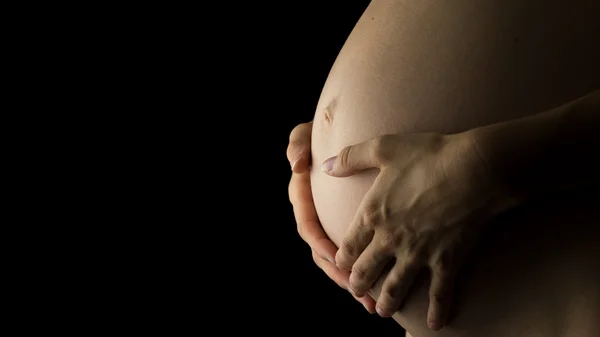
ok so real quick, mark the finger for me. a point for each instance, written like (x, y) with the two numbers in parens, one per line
(361, 230)
(298, 151)
(395, 287)
(440, 298)
(340, 277)
(307, 220)
(367, 269)
(373, 153)
(367, 301)
(354, 243)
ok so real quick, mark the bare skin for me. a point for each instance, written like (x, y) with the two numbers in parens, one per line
(485, 151)
(436, 67)
(309, 228)
(435, 193)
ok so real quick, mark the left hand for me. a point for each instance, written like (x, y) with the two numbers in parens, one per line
(309, 227)
(426, 208)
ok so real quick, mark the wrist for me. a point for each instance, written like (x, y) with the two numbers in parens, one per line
(486, 175)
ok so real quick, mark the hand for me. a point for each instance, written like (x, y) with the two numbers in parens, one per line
(426, 208)
(309, 227)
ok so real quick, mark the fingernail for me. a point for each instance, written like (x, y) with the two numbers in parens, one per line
(296, 155)
(330, 260)
(434, 325)
(294, 161)
(381, 312)
(368, 310)
(328, 164)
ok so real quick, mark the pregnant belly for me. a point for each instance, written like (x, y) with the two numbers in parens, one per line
(414, 66)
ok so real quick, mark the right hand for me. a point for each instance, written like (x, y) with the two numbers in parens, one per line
(309, 227)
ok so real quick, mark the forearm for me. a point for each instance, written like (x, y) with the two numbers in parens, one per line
(546, 152)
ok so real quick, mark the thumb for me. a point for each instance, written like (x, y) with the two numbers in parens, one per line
(355, 158)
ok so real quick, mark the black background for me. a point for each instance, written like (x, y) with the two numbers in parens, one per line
(289, 291)
(219, 245)
(193, 108)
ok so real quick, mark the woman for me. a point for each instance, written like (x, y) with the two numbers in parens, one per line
(432, 66)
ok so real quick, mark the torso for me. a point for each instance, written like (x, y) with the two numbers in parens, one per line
(448, 66)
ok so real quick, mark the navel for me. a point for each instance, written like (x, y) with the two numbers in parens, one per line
(330, 111)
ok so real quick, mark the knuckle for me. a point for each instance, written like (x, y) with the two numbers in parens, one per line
(442, 271)
(413, 246)
(344, 157)
(372, 216)
(349, 248)
(359, 273)
(315, 257)
(375, 214)
(389, 298)
(390, 241)
(412, 262)
(359, 286)
(438, 297)
(442, 268)
(394, 285)
(383, 149)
